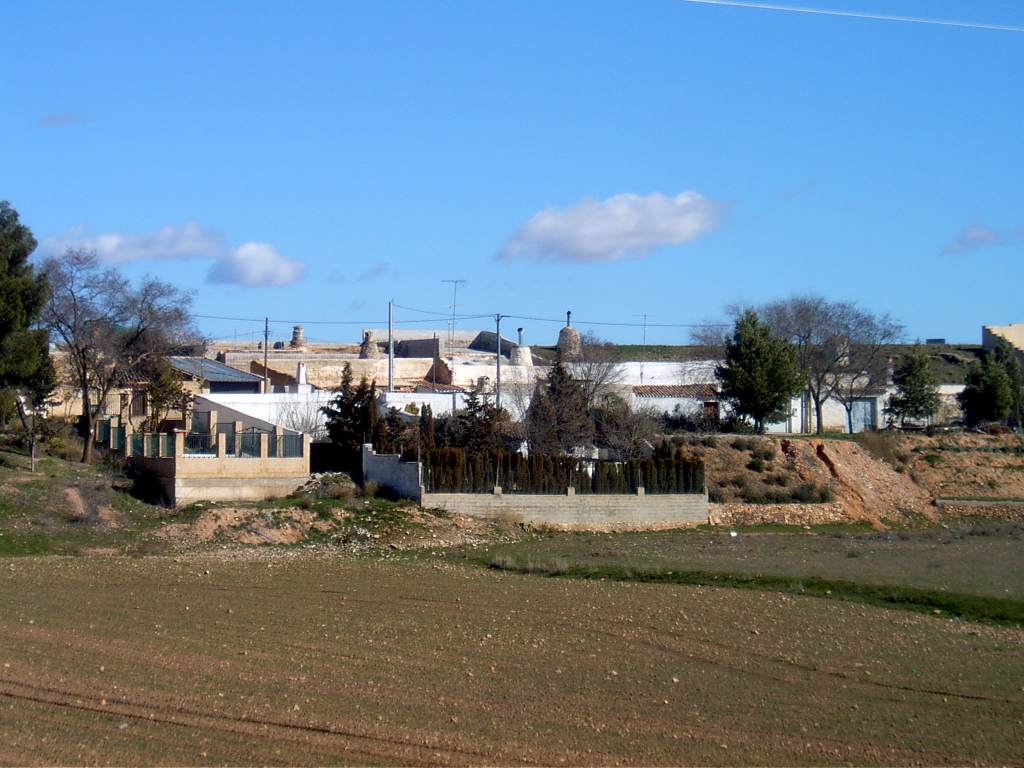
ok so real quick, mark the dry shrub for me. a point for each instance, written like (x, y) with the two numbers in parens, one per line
(371, 489)
(885, 447)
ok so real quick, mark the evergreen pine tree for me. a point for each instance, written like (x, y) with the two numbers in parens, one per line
(917, 393)
(988, 392)
(25, 367)
(760, 374)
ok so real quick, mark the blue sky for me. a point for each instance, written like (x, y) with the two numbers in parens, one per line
(310, 161)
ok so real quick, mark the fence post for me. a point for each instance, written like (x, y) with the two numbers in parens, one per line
(179, 443)
(129, 430)
(145, 445)
(222, 444)
(264, 445)
(640, 490)
(278, 434)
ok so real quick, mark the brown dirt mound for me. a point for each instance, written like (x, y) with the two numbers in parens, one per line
(868, 489)
(865, 488)
(246, 526)
(966, 465)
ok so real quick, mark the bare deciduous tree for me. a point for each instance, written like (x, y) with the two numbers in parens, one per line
(598, 370)
(629, 433)
(305, 416)
(829, 337)
(867, 362)
(110, 329)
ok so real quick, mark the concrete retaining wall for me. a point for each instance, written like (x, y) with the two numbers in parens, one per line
(579, 513)
(389, 471)
(183, 479)
(190, 489)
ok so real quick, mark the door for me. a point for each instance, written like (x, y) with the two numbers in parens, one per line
(863, 415)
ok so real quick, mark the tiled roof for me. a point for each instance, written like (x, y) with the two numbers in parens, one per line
(205, 369)
(445, 389)
(696, 391)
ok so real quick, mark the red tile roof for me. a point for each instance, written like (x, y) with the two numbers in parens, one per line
(446, 389)
(696, 391)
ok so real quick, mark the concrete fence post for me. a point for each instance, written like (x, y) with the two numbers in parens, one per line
(222, 445)
(179, 443)
(497, 490)
(145, 445)
(570, 491)
(640, 491)
(264, 445)
(128, 432)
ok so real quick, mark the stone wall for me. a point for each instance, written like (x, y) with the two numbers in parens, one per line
(389, 471)
(1002, 510)
(784, 514)
(579, 513)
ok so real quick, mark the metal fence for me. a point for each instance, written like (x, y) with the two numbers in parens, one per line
(117, 438)
(200, 445)
(249, 445)
(166, 444)
(153, 444)
(103, 432)
(137, 444)
(284, 446)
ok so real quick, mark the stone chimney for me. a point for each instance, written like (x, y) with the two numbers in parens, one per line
(298, 339)
(368, 349)
(570, 345)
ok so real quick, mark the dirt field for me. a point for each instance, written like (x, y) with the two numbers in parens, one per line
(278, 658)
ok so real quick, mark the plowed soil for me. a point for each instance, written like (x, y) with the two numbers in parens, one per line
(289, 657)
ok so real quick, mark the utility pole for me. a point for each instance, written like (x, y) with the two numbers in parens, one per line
(266, 343)
(643, 347)
(391, 347)
(451, 323)
(497, 385)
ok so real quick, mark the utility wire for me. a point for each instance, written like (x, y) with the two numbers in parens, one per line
(439, 315)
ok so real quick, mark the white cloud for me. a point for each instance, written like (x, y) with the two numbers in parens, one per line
(254, 264)
(974, 236)
(623, 226)
(62, 119)
(250, 264)
(188, 241)
(380, 269)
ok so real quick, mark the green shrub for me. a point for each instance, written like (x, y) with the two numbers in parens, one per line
(811, 493)
(765, 452)
(755, 465)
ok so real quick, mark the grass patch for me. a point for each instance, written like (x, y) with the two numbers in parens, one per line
(970, 607)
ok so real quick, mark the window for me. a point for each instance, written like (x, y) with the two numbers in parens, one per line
(139, 403)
